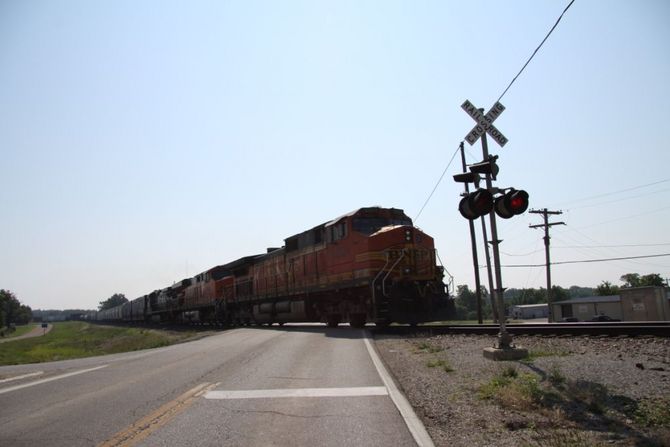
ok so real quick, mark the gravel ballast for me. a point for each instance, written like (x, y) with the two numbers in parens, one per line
(571, 391)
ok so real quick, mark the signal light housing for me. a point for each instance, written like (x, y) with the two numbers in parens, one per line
(476, 204)
(512, 203)
(486, 167)
(466, 177)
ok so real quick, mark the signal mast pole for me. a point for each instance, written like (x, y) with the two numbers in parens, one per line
(504, 338)
(546, 213)
(475, 259)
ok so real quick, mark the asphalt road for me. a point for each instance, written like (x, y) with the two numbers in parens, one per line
(296, 386)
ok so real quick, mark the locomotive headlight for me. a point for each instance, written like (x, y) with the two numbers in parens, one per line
(408, 270)
(408, 235)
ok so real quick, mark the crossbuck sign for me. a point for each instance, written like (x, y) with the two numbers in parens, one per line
(484, 123)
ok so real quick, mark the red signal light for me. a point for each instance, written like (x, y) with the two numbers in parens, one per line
(516, 202)
(512, 203)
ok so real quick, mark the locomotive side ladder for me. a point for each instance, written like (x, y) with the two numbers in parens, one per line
(381, 306)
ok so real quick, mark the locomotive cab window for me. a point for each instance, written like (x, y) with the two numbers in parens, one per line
(370, 225)
(338, 231)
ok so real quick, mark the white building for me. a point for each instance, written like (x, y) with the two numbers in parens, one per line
(529, 311)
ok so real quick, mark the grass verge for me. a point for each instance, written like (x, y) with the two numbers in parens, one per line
(74, 339)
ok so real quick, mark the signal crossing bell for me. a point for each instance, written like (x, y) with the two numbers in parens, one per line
(512, 203)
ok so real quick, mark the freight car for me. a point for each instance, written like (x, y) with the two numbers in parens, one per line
(370, 265)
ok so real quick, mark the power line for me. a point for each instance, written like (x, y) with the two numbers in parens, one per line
(617, 200)
(607, 246)
(536, 49)
(588, 260)
(437, 184)
(584, 246)
(522, 254)
(623, 218)
(633, 188)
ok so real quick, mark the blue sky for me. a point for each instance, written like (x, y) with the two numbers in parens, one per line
(143, 142)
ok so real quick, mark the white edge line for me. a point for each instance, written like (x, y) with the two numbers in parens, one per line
(414, 424)
(50, 379)
(23, 376)
(298, 392)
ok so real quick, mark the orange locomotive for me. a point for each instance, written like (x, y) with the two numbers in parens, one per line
(371, 265)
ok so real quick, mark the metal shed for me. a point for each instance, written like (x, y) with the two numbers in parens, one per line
(586, 308)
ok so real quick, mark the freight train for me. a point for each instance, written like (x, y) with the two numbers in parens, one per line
(370, 265)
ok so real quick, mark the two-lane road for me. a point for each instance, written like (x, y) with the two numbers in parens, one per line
(292, 386)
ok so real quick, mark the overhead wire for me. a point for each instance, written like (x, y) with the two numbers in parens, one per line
(607, 246)
(536, 49)
(622, 218)
(521, 254)
(588, 260)
(503, 94)
(617, 200)
(611, 193)
(587, 249)
(438, 183)
(605, 250)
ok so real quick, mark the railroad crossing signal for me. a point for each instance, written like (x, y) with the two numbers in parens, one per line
(473, 205)
(512, 203)
(481, 202)
(476, 204)
(484, 123)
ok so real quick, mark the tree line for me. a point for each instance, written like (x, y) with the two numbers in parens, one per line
(12, 312)
(76, 314)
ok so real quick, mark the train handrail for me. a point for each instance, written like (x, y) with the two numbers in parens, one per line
(402, 255)
(374, 290)
(450, 285)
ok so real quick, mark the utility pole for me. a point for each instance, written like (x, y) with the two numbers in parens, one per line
(545, 214)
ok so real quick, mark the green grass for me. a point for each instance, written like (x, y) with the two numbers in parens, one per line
(533, 355)
(653, 412)
(75, 339)
(440, 363)
(20, 330)
(562, 402)
(513, 389)
(428, 347)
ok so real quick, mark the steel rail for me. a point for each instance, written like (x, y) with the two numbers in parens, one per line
(631, 329)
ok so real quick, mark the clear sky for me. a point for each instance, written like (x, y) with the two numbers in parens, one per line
(142, 142)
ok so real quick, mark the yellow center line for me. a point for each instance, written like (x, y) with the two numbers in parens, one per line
(141, 429)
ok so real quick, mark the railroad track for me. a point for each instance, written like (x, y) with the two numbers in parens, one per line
(659, 329)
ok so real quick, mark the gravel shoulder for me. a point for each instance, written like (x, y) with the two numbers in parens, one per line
(571, 391)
